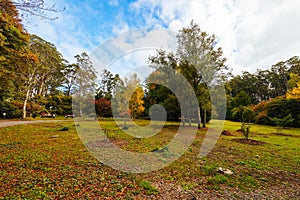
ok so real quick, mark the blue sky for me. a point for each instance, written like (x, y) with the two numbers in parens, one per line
(253, 34)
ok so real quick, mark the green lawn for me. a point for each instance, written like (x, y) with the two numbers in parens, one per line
(48, 160)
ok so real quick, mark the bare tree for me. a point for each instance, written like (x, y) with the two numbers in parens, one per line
(36, 8)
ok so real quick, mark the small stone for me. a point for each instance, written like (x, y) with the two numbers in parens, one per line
(224, 171)
(54, 136)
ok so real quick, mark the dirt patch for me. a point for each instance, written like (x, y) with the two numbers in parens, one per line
(286, 135)
(227, 133)
(249, 141)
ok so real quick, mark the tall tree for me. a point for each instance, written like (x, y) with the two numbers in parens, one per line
(107, 85)
(41, 75)
(13, 44)
(85, 86)
(70, 73)
(200, 61)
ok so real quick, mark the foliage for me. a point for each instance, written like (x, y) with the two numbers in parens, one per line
(13, 43)
(246, 129)
(197, 59)
(281, 107)
(136, 103)
(103, 107)
(129, 98)
(266, 84)
(294, 93)
(282, 122)
(243, 114)
(293, 81)
(108, 84)
(84, 86)
(146, 185)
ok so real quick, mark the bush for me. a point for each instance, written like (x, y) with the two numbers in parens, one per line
(281, 108)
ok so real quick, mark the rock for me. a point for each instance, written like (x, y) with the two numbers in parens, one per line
(224, 171)
(227, 133)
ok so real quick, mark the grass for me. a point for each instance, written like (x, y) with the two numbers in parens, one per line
(35, 165)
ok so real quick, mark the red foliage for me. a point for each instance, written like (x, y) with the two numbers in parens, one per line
(103, 107)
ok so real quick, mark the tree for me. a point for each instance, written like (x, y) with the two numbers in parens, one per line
(199, 60)
(85, 86)
(103, 107)
(136, 103)
(294, 80)
(129, 98)
(50, 74)
(279, 77)
(40, 73)
(107, 85)
(282, 107)
(242, 99)
(13, 44)
(282, 122)
(294, 93)
(196, 59)
(70, 73)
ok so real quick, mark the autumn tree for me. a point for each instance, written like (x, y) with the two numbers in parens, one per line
(13, 44)
(41, 75)
(129, 98)
(294, 93)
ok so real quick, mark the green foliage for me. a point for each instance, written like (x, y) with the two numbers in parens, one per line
(246, 129)
(281, 108)
(146, 185)
(218, 179)
(266, 84)
(242, 114)
(283, 122)
(242, 99)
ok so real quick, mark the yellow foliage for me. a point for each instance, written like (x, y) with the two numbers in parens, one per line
(294, 93)
(136, 103)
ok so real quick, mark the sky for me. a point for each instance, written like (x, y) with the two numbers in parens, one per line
(253, 34)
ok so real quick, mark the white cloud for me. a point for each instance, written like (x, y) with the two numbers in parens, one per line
(128, 52)
(253, 34)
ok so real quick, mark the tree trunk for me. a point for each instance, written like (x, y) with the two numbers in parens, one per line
(189, 115)
(183, 121)
(199, 118)
(204, 119)
(41, 86)
(25, 102)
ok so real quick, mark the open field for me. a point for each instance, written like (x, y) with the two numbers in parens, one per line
(48, 160)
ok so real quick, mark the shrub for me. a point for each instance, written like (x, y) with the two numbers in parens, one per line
(281, 108)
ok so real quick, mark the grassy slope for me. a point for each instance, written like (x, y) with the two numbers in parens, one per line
(40, 161)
